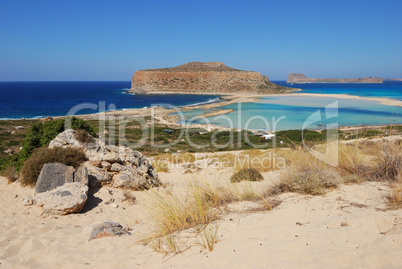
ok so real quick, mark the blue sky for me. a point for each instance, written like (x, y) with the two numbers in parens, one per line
(109, 40)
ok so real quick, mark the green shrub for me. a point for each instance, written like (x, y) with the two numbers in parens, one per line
(247, 174)
(33, 165)
(40, 134)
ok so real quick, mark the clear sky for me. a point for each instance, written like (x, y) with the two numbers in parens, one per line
(108, 40)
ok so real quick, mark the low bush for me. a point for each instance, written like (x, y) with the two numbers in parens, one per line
(247, 174)
(33, 165)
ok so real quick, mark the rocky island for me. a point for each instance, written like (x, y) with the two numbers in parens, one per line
(202, 77)
(300, 78)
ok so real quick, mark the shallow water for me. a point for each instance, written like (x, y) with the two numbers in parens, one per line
(388, 89)
(298, 112)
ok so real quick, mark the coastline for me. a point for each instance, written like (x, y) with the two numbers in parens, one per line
(164, 116)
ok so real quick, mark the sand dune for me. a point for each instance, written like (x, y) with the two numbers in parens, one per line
(347, 228)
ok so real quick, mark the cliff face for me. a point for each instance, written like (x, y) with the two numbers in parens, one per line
(300, 78)
(199, 77)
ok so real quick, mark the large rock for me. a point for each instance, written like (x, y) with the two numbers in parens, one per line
(54, 175)
(107, 229)
(207, 77)
(127, 167)
(66, 199)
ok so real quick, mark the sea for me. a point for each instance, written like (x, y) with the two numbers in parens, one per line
(48, 99)
(42, 99)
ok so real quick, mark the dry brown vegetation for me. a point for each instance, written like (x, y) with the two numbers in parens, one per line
(305, 174)
(33, 165)
(10, 174)
(247, 174)
(202, 206)
(395, 196)
(83, 136)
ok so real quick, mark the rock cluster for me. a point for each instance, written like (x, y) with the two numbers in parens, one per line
(62, 189)
(117, 166)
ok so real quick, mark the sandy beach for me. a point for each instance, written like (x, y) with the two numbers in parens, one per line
(349, 227)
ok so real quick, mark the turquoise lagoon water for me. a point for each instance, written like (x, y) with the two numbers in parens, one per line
(294, 112)
(388, 89)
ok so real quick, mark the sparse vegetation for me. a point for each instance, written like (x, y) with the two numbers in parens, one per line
(83, 136)
(313, 179)
(10, 174)
(33, 165)
(395, 196)
(247, 174)
(209, 236)
(389, 163)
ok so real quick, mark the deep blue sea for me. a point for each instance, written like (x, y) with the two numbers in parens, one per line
(42, 99)
(388, 89)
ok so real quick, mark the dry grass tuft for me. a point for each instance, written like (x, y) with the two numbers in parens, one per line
(313, 179)
(395, 196)
(389, 163)
(209, 237)
(171, 214)
(354, 165)
(10, 174)
(203, 205)
(160, 165)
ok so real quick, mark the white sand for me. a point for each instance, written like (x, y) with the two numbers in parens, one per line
(372, 237)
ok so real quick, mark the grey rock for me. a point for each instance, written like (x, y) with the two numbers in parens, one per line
(128, 179)
(81, 175)
(66, 199)
(107, 229)
(54, 175)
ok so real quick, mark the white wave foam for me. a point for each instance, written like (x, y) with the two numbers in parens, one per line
(213, 100)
